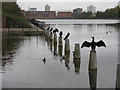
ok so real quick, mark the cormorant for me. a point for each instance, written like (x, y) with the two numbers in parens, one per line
(48, 28)
(61, 33)
(44, 60)
(93, 44)
(51, 29)
(68, 34)
(56, 30)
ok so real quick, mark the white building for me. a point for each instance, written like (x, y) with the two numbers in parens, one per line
(47, 8)
(91, 8)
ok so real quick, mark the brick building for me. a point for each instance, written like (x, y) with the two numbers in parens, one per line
(40, 14)
(65, 15)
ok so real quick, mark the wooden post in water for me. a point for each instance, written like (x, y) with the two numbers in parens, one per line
(51, 40)
(92, 60)
(76, 65)
(118, 77)
(93, 79)
(60, 46)
(67, 47)
(77, 51)
(55, 44)
(77, 58)
(51, 36)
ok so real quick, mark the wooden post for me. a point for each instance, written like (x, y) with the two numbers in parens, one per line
(66, 58)
(51, 40)
(67, 47)
(92, 60)
(55, 44)
(76, 65)
(77, 51)
(60, 46)
(118, 77)
(51, 36)
(76, 59)
(92, 79)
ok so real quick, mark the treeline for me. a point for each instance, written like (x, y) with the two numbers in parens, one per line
(13, 15)
(113, 13)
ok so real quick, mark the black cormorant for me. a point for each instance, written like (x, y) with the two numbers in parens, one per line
(68, 34)
(48, 28)
(51, 29)
(44, 60)
(61, 33)
(56, 30)
(93, 44)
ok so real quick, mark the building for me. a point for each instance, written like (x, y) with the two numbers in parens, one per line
(41, 14)
(47, 8)
(76, 12)
(65, 15)
(91, 8)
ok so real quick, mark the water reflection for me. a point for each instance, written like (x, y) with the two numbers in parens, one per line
(67, 59)
(93, 79)
(76, 65)
(118, 77)
(51, 67)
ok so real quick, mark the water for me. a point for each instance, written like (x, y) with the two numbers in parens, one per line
(28, 70)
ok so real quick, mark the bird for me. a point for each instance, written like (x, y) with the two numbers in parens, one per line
(93, 44)
(106, 32)
(56, 30)
(61, 33)
(44, 60)
(51, 29)
(48, 28)
(66, 37)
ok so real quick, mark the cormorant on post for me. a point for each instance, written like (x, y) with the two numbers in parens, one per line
(51, 29)
(56, 30)
(61, 33)
(44, 60)
(68, 34)
(48, 28)
(93, 44)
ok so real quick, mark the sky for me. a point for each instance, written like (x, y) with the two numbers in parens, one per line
(68, 5)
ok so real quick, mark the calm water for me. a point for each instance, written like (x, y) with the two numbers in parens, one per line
(28, 70)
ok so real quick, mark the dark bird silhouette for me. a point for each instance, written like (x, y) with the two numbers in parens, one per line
(93, 44)
(68, 34)
(106, 32)
(51, 29)
(61, 33)
(56, 30)
(44, 60)
(48, 28)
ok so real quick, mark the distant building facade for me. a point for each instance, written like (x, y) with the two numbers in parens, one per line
(91, 8)
(65, 15)
(77, 11)
(47, 8)
(41, 14)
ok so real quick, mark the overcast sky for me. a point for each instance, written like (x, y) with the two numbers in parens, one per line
(68, 5)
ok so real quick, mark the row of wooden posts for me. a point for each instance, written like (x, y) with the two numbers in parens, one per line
(77, 57)
(76, 54)
(52, 38)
